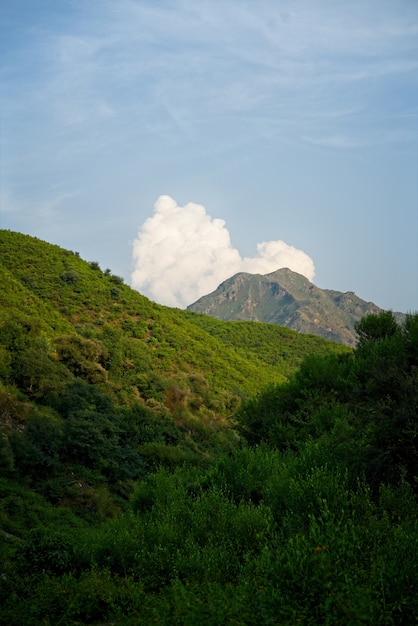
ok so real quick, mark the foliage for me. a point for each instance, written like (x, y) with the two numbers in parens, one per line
(373, 391)
(189, 550)
(270, 344)
(161, 467)
(83, 357)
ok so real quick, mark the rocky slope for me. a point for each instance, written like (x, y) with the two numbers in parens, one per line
(288, 299)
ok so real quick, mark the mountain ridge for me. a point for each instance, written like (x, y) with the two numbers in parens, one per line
(289, 299)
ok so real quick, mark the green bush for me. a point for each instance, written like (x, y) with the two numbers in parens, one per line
(46, 551)
(36, 450)
(72, 277)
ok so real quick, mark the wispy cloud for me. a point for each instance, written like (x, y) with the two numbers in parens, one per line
(197, 60)
(335, 141)
(45, 209)
(119, 100)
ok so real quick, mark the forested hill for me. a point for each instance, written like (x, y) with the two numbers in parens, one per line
(70, 319)
(158, 466)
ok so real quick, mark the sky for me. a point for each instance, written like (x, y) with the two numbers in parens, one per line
(178, 142)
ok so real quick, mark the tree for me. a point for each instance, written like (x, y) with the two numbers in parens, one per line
(372, 328)
(83, 357)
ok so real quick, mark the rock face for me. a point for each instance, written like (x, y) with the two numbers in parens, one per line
(288, 299)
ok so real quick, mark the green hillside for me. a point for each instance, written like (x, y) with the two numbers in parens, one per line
(64, 320)
(263, 343)
(138, 339)
(161, 466)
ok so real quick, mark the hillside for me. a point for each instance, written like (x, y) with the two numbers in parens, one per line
(163, 466)
(289, 299)
(87, 320)
(99, 384)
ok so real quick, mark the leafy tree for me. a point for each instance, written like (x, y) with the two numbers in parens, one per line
(410, 336)
(18, 330)
(48, 551)
(385, 397)
(283, 415)
(28, 360)
(6, 456)
(36, 373)
(72, 277)
(373, 391)
(80, 396)
(372, 328)
(5, 362)
(36, 450)
(90, 439)
(83, 357)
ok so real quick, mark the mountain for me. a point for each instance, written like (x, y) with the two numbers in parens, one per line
(288, 299)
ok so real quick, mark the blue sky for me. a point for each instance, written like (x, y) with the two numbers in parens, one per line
(179, 141)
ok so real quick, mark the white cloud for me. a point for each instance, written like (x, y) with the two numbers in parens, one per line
(182, 253)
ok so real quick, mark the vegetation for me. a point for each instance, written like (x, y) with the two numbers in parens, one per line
(162, 467)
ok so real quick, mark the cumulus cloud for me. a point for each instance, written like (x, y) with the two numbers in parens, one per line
(182, 253)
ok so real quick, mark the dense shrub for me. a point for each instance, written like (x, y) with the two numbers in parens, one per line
(126, 496)
(374, 392)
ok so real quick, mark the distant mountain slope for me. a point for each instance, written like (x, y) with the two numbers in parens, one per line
(288, 299)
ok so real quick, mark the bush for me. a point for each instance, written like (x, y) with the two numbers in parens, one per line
(46, 551)
(71, 277)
